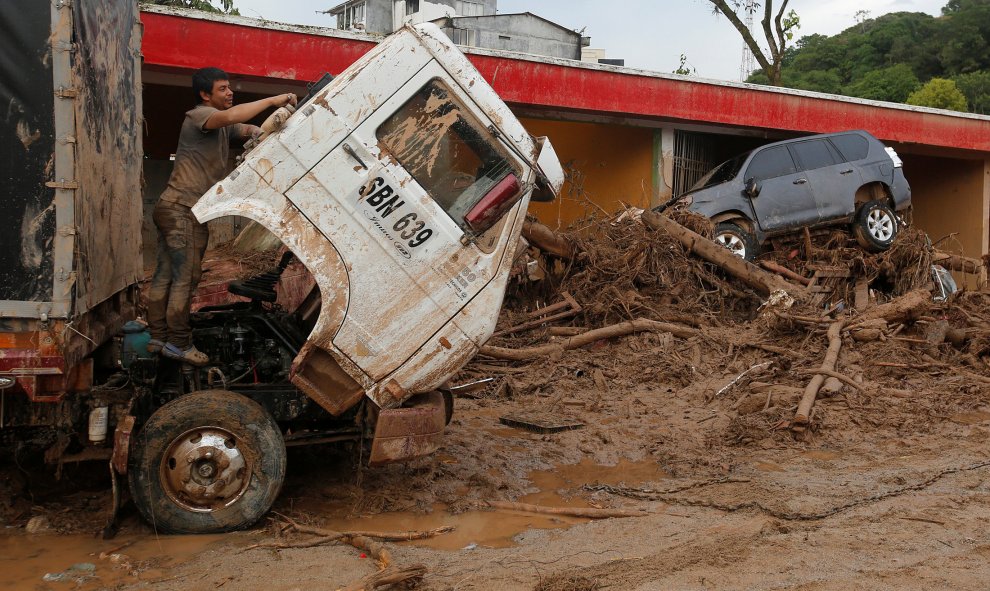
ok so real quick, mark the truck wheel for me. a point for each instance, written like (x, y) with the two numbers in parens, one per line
(208, 462)
(876, 226)
(740, 241)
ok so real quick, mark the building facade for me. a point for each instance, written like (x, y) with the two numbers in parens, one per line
(382, 17)
(524, 32)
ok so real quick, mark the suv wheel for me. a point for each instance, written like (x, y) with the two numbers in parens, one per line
(740, 241)
(876, 226)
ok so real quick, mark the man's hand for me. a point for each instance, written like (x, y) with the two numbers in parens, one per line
(285, 99)
(247, 111)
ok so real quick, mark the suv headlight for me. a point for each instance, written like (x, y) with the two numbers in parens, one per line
(6, 382)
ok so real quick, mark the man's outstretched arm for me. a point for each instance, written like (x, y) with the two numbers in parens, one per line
(247, 111)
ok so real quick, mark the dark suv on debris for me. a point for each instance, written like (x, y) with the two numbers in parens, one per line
(821, 180)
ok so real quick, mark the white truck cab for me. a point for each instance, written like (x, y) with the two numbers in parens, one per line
(402, 186)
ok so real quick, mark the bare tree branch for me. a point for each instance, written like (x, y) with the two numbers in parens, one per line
(723, 7)
(775, 29)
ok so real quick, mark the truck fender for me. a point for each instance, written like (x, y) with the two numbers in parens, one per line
(280, 217)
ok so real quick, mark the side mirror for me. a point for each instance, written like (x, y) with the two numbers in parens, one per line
(550, 175)
(751, 189)
(496, 203)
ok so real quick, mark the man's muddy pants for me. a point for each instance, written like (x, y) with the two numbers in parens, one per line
(181, 244)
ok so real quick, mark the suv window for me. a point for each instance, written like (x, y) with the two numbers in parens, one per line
(771, 163)
(723, 173)
(813, 154)
(853, 147)
(445, 149)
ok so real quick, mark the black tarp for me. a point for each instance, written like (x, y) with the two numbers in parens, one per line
(27, 141)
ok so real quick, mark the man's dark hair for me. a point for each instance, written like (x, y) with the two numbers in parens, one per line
(203, 79)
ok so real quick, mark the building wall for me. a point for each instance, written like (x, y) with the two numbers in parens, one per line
(378, 16)
(523, 33)
(949, 198)
(606, 166)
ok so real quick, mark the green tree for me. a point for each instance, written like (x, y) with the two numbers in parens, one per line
(778, 30)
(226, 6)
(975, 86)
(939, 93)
(893, 84)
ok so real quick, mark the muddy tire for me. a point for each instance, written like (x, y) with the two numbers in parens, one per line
(208, 462)
(876, 226)
(737, 239)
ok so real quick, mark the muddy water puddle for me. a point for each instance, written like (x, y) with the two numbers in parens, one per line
(497, 529)
(83, 563)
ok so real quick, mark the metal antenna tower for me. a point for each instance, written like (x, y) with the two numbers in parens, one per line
(748, 60)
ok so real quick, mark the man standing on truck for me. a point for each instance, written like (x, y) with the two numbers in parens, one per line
(200, 161)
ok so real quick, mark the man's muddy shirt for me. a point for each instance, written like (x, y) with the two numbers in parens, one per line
(201, 158)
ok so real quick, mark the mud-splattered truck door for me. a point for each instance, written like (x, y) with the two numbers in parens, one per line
(402, 187)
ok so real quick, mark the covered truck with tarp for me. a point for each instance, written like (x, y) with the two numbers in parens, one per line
(70, 200)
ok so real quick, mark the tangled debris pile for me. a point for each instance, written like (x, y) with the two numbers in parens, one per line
(757, 344)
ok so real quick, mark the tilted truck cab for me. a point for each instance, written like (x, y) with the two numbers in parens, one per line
(402, 186)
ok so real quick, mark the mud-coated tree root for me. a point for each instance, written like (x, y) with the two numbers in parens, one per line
(584, 339)
(321, 536)
(803, 415)
(589, 512)
(389, 576)
(369, 542)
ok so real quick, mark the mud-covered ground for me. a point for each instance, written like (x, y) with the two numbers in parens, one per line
(886, 488)
(750, 525)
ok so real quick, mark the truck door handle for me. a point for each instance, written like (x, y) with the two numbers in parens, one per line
(800, 181)
(846, 171)
(350, 152)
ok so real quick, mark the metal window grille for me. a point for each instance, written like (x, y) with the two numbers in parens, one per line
(693, 158)
(465, 37)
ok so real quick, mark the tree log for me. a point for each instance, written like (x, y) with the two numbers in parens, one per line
(581, 340)
(959, 263)
(907, 307)
(742, 269)
(784, 271)
(590, 513)
(803, 414)
(548, 241)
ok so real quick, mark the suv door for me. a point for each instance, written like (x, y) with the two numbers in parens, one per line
(833, 181)
(784, 198)
(402, 181)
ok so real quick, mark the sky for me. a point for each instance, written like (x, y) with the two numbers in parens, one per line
(648, 34)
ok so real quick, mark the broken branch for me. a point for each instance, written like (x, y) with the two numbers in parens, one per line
(803, 414)
(584, 339)
(590, 513)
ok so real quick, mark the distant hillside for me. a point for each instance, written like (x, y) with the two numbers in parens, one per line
(890, 57)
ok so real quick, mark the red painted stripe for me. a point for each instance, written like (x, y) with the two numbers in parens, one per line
(174, 42)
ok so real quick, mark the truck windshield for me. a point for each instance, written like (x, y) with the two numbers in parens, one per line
(722, 173)
(445, 149)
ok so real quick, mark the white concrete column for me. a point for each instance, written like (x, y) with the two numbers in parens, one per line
(663, 165)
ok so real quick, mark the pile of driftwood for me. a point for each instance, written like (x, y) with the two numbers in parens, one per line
(661, 273)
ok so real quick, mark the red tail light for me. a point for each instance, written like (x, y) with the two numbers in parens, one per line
(494, 204)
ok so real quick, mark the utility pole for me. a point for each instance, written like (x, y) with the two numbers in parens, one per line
(748, 60)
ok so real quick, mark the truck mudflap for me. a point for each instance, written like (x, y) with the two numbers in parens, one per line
(413, 431)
